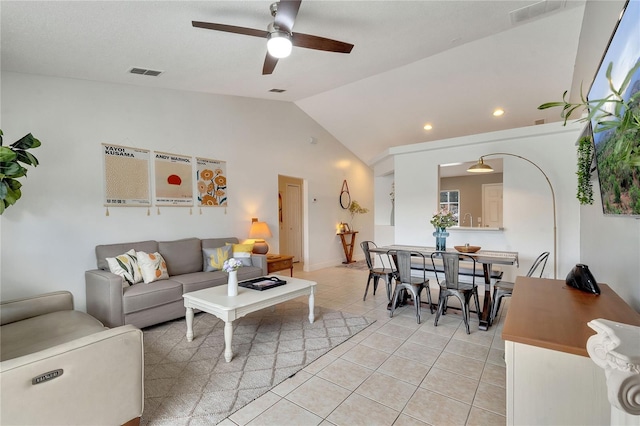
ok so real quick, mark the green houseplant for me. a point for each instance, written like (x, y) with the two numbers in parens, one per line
(354, 209)
(611, 113)
(585, 158)
(11, 168)
(620, 120)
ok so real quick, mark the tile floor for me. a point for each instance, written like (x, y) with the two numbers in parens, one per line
(395, 372)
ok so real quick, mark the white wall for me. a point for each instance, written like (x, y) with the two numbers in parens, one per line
(610, 245)
(48, 237)
(528, 217)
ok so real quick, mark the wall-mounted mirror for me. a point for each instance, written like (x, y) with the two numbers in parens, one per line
(475, 199)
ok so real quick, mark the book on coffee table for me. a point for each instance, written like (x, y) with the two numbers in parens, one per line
(262, 283)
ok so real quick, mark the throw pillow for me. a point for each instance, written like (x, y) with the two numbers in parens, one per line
(126, 265)
(152, 266)
(242, 252)
(213, 258)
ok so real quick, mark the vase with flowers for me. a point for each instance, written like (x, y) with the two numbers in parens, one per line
(231, 267)
(441, 221)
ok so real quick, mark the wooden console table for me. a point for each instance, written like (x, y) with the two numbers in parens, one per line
(550, 378)
(348, 245)
(278, 262)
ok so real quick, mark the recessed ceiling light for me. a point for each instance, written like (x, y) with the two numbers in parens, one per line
(498, 112)
(428, 126)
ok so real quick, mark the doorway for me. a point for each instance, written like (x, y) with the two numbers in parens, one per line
(290, 215)
(492, 205)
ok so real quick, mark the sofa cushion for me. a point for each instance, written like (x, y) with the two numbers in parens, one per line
(218, 242)
(45, 331)
(112, 250)
(139, 297)
(249, 272)
(126, 265)
(213, 258)
(182, 256)
(152, 267)
(200, 280)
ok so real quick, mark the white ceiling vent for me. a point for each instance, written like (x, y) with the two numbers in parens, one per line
(535, 10)
(277, 90)
(143, 71)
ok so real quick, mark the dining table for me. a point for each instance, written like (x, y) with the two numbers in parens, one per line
(487, 258)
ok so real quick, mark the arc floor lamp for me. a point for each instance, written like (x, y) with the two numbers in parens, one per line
(480, 167)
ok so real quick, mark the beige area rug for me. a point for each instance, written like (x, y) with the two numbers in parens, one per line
(360, 265)
(189, 383)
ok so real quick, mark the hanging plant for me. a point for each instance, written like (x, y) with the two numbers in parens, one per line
(11, 169)
(585, 159)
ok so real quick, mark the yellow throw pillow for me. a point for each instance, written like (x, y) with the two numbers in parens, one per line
(242, 252)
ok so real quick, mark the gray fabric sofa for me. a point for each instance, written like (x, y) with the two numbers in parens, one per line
(147, 304)
(59, 366)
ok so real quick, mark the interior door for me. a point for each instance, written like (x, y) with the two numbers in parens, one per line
(492, 205)
(293, 220)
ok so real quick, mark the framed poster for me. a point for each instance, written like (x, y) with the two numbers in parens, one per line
(212, 182)
(173, 179)
(126, 176)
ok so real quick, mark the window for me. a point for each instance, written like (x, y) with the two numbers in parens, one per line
(450, 202)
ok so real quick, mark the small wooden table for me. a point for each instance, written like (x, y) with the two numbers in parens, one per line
(278, 262)
(348, 245)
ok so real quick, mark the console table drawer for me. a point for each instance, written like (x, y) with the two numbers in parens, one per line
(280, 263)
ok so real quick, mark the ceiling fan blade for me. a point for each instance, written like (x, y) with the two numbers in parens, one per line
(286, 14)
(230, 29)
(320, 43)
(269, 64)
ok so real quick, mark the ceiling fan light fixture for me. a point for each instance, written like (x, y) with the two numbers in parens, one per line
(279, 44)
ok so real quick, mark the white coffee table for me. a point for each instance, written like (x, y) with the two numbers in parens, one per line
(215, 301)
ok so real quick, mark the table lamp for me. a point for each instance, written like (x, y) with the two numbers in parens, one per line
(258, 232)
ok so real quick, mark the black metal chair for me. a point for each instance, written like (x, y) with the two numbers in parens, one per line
(452, 286)
(408, 282)
(376, 273)
(504, 288)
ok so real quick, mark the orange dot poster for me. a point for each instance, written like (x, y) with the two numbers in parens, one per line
(173, 180)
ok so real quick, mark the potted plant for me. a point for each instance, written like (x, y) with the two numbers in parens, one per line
(441, 221)
(10, 168)
(354, 209)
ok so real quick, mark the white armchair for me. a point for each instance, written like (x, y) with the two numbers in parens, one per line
(60, 366)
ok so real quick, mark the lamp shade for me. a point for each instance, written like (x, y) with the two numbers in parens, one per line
(258, 232)
(480, 167)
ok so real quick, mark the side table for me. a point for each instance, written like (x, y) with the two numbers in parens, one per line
(348, 245)
(278, 262)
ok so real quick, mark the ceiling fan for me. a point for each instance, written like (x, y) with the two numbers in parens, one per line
(279, 34)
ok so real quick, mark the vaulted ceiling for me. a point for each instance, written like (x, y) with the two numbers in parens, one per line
(448, 63)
